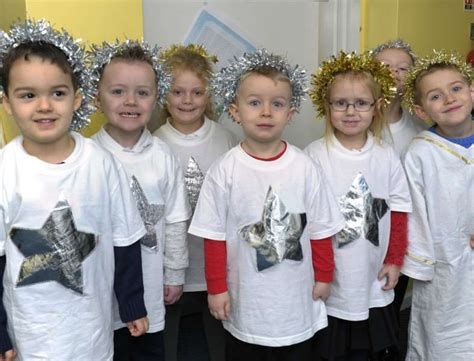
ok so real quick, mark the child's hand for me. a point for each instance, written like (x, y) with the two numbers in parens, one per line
(219, 305)
(321, 290)
(8, 356)
(172, 294)
(391, 272)
(138, 327)
(472, 241)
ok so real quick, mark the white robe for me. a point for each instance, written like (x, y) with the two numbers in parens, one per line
(439, 257)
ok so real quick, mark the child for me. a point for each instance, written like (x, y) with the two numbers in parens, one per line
(259, 207)
(197, 141)
(128, 79)
(369, 182)
(403, 126)
(62, 218)
(439, 167)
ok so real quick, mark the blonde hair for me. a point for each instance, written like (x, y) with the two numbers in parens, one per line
(187, 60)
(378, 122)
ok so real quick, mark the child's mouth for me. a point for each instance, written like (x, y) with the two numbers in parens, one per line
(129, 115)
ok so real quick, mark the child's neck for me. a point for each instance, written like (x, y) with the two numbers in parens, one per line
(263, 150)
(352, 142)
(463, 130)
(394, 111)
(124, 138)
(187, 128)
(53, 153)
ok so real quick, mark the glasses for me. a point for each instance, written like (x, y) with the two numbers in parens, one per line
(359, 105)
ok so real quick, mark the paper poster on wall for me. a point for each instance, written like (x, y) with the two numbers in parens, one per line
(218, 37)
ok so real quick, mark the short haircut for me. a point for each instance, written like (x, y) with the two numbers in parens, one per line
(42, 50)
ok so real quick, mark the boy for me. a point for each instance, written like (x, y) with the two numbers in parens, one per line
(128, 81)
(439, 167)
(399, 57)
(260, 205)
(61, 211)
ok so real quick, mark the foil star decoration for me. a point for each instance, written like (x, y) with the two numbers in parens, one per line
(277, 236)
(150, 214)
(193, 179)
(55, 252)
(362, 213)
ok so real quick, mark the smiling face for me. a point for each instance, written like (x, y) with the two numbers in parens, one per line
(263, 108)
(351, 126)
(446, 98)
(187, 101)
(127, 96)
(42, 99)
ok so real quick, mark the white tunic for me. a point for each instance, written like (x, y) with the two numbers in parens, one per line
(46, 319)
(355, 288)
(402, 132)
(439, 258)
(157, 170)
(273, 307)
(204, 145)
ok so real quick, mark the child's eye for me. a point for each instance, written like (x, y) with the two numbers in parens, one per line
(278, 104)
(176, 92)
(59, 93)
(143, 93)
(403, 69)
(199, 92)
(254, 103)
(435, 97)
(340, 103)
(117, 91)
(362, 103)
(457, 88)
(27, 95)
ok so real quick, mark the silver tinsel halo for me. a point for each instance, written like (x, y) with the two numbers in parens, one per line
(224, 83)
(41, 31)
(395, 44)
(99, 56)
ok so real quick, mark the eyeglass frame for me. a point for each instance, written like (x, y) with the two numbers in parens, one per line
(354, 105)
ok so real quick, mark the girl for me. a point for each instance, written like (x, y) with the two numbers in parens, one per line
(368, 180)
(197, 141)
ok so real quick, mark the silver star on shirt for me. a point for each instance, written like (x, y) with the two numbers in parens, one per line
(150, 214)
(55, 252)
(277, 236)
(362, 213)
(193, 179)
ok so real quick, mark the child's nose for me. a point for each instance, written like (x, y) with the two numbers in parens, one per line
(130, 99)
(44, 104)
(266, 110)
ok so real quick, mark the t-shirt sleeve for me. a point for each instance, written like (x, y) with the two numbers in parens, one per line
(420, 256)
(400, 199)
(324, 216)
(209, 220)
(127, 225)
(176, 201)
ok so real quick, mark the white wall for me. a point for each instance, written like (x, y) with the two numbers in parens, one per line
(301, 30)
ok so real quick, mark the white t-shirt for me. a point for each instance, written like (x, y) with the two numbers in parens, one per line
(273, 307)
(439, 257)
(402, 132)
(157, 171)
(204, 146)
(58, 295)
(356, 288)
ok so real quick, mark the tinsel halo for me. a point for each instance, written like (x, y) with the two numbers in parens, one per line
(395, 44)
(41, 31)
(224, 83)
(321, 80)
(437, 57)
(101, 55)
(193, 48)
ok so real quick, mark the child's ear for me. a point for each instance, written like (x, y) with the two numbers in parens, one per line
(291, 113)
(472, 92)
(234, 112)
(77, 100)
(420, 112)
(6, 104)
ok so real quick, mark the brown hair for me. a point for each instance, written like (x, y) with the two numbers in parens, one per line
(378, 122)
(42, 50)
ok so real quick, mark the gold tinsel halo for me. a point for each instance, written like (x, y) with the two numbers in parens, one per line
(322, 79)
(194, 48)
(437, 57)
